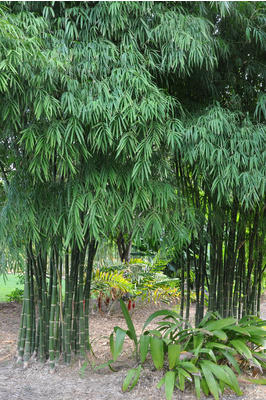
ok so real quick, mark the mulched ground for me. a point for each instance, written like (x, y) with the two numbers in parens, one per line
(35, 382)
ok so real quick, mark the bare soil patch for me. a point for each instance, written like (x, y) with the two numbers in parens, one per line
(36, 382)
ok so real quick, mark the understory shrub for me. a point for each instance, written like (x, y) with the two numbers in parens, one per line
(208, 357)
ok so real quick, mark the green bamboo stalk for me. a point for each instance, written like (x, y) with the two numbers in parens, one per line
(251, 264)
(260, 272)
(20, 334)
(221, 275)
(57, 332)
(33, 308)
(66, 304)
(52, 321)
(243, 283)
(182, 287)
(92, 248)
(74, 333)
(197, 281)
(81, 311)
(211, 305)
(28, 315)
(188, 285)
(23, 333)
(39, 345)
(69, 304)
(202, 280)
(237, 289)
(59, 319)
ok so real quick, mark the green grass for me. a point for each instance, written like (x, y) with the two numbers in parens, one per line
(7, 286)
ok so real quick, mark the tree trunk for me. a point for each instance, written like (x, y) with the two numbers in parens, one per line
(124, 244)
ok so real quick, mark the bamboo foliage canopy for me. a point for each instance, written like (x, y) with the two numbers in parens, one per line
(146, 118)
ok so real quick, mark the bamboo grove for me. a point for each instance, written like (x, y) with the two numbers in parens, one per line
(130, 120)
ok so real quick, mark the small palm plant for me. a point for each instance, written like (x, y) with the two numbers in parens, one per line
(208, 356)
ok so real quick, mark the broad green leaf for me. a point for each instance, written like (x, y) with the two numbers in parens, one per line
(167, 341)
(211, 382)
(234, 381)
(173, 354)
(159, 313)
(241, 348)
(155, 332)
(197, 340)
(129, 321)
(188, 366)
(119, 341)
(181, 379)
(157, 352)
(169, 384)
(128, 379)
(161, 382)
(210, 352)
(220, 334)
(237, 329)
(184, 372)
(217, 371)
(255, 330)
(136, 377)
(215, 345)
(258, 340)
(197, 385)
(144, 346)
(112, 344)
(222, 385)
(204, 386)
(231, 359)
(219, 324)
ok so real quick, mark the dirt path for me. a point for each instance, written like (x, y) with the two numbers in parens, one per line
(36, 383)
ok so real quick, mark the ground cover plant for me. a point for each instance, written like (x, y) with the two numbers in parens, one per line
(208, 357)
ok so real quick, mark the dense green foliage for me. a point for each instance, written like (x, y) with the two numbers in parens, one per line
(200, 356)
(131, 120)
